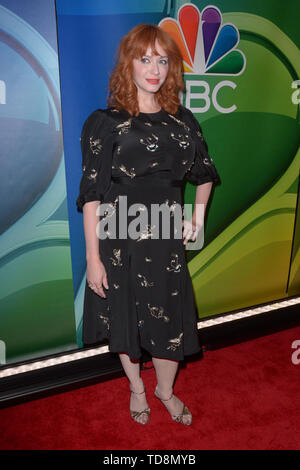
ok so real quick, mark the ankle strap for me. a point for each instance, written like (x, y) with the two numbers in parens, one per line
(138, 393)
(167, 398)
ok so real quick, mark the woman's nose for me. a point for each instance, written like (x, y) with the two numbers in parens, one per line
(155, 68)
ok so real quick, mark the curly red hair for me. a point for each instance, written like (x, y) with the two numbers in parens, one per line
(123, 91)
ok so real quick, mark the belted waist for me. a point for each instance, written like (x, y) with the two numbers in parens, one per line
(142, 180)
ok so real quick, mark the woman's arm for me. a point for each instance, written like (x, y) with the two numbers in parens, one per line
(96, 174)
(192, 228)
(202, 196)
(204, 174)
(90, 221)
(95, 273)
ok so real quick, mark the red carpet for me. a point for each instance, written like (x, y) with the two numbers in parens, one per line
(242, 397)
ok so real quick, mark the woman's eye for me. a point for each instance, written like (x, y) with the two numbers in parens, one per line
(144, 60)
(164, 61)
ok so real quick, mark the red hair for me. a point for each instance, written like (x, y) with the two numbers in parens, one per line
(123, 91)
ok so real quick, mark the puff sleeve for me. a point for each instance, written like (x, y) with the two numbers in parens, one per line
(96, 147)
(203, 169)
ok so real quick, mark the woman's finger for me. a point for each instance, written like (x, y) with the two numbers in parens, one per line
(105, 283)
(187, 228)
(101, 292)
(195, 235)
(187, 237)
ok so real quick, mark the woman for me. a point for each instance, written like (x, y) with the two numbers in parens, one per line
(138, 289)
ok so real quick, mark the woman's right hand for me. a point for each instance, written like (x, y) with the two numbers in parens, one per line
(96, 276)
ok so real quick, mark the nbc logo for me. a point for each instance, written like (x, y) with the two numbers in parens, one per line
(207, 46)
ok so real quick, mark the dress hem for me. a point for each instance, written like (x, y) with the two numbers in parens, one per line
(198, 350)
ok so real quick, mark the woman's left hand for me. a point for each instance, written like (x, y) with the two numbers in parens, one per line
(190, 230)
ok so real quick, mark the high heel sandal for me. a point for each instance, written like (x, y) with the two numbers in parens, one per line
(178, 417)
(137, 414)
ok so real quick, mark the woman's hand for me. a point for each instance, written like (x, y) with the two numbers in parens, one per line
(96, 276)
(190, 230)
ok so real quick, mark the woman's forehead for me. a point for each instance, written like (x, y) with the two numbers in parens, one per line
(157, 50)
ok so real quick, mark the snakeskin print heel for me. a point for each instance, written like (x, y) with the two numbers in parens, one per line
(178, 417)
(136, 414)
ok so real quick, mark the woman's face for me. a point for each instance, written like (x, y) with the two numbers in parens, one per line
(150, 71)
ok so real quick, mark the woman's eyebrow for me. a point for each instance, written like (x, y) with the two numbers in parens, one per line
(145, 55)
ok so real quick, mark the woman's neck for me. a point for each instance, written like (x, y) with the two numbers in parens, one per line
(148, 106)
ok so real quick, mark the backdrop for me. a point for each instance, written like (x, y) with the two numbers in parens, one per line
(242, 64)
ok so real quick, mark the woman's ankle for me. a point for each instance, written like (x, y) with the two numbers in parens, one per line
(137, 385)
(164, 392)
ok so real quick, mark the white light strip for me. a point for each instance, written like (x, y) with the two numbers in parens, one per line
(248, 313)
(105, 349)
(54, 361)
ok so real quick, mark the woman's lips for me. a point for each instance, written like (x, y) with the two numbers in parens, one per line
(153, 81)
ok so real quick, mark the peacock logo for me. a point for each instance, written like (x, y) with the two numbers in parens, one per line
(208, 47)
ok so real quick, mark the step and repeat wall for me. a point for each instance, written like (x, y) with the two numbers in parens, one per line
(242, 77)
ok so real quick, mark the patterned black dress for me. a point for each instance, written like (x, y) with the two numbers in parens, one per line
(150, 301)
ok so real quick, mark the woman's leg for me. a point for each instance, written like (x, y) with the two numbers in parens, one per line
(165, 373)
(138, 401)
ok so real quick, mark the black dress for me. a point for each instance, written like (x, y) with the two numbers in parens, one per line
(150, 301)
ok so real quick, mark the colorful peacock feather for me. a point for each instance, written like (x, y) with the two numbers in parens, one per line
(207, 46)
